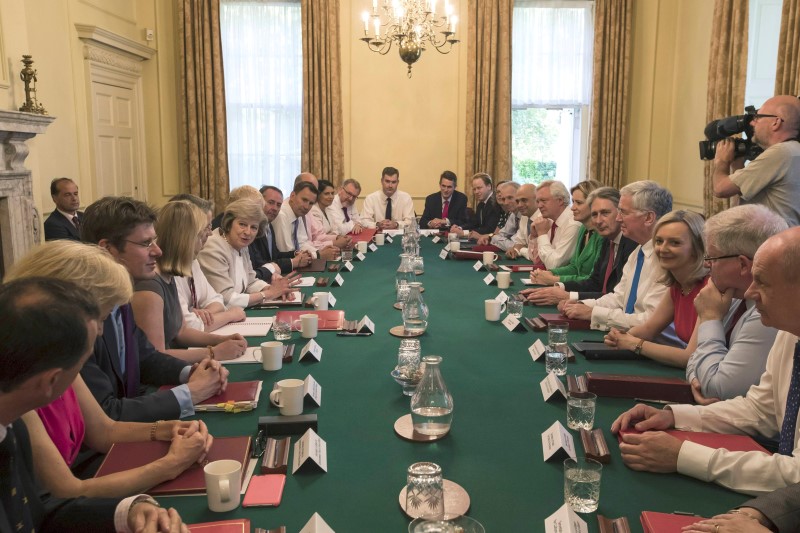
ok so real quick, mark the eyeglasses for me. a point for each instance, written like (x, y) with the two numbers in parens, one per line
(712, 259)
(146, 244)
(760, 115)
(349, 194)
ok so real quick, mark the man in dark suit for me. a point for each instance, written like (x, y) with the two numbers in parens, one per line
(65, 221)
(447, 207)
(487, 210)
(123, 358)
(264, 254)
(46, 335)
(604, 277)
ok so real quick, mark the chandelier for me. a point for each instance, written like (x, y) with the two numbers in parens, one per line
(412, 24)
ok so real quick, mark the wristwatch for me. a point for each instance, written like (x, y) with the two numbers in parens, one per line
(638, 349)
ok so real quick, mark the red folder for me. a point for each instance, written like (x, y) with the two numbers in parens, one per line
(487, 248)
(316, 265)
(666, 522)
(365, 235)
(647, 387)
(718, 441)
(236, 391)
(128, 455)
(575, 324)
(464, 255)
(524, 268)
(328, 320)
(240, 525)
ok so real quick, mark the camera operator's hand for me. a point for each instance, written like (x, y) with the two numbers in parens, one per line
(725, 156)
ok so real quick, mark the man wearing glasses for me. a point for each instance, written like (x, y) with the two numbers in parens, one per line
(342, 212)
(732, 343)
(772, 179)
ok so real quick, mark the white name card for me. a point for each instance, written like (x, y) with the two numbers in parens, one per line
(565, 520)
(536, 349)
(316, 525)
(373, 248)
(557, 443)
(348, 266)
(331, 300)
(360, 256)
(312, 389)
(489, 279)
(310, 447)
(312, 350)
(477, 266)
(443, 253)
(502, 297)
(447, 246)
(389, 239)
(512, 323)
(436, 238)
(552, 385)
(338, 281)
(365, 325)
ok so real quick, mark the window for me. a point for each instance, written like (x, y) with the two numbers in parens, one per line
(263, 58)
(762, 51)
(551, 89)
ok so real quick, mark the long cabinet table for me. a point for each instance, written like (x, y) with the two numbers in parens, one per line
(494, 448)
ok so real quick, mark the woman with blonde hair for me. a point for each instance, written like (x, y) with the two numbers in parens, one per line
(679, 244)
(182, 228)
(58, 430)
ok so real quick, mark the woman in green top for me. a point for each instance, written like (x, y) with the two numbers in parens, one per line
(580, 266)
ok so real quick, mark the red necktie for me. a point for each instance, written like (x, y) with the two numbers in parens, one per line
(737, 315)
(609, 266)
(553, 231)
(446, 208)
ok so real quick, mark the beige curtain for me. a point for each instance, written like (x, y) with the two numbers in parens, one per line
(202, 118)
(611, 75)
(488, 146)
(727, 73)
(322, 151)
(787, 79)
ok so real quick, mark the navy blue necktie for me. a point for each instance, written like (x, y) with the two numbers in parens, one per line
(635, 284)
(12, 496)
(294, 234)
(388, 214)
(786, 445)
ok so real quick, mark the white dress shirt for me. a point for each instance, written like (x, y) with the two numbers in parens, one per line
(375, 209)
(504, 239)
(284, 228)
(609, 310)
(204, 292)
(760, 412)
(559, 252)
(335, 213)
(521, 237)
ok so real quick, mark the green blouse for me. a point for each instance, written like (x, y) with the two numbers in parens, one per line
(582, 263)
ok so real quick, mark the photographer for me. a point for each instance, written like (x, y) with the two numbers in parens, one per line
(773, 179)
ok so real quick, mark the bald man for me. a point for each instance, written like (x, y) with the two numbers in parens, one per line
(772, 179)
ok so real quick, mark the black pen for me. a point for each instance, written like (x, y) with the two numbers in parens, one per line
(352, 334)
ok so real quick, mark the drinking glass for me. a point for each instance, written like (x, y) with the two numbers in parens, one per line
(425, 491)
(282, 331)
(557, 348)
(347, 255)
(514, 308)
(555, 361)
(580, 410)
(582, 484)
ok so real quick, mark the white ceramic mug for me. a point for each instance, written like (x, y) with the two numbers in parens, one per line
(271, 355)
(362, 247)
(288, 396)
(379, 239)
(223, 484)
(321, 301)
(503, 280)
(493, 309)
(452, 237)
(465, 233)
(455, 246)
(489, 258)
(307, 325)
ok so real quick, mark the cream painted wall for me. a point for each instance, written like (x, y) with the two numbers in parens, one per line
(416, 125)
(671, 43)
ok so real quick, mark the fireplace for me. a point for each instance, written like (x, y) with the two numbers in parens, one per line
(19, 219)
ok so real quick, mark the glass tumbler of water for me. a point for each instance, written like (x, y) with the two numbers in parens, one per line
(514, 308)
(425, 491)
(347, 255)
(282, 331)
(555, 361)
(582, 484)
(580, 410)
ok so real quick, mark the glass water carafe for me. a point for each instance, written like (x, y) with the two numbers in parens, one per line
(415, 312)
(432, 405)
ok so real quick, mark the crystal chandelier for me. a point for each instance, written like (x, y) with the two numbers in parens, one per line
(411, 24)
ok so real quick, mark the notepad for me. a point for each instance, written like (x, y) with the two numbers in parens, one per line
(249, 327)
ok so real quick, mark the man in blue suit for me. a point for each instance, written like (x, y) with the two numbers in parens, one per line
(447, 207)
(65, 221)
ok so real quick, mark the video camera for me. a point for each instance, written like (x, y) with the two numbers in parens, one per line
(724, 128)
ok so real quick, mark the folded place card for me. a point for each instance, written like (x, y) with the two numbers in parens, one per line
(348, 266)
(312, 390)
(436, 238)
(389, 239)
(338, 281)
(536, 349)
(443, 253)
(310, 447)
(311, 350)
(502, 297)
(373, 247)
(316, 525)
(512, 323)
(552, 387)
(557, 442)
(565, 520)
(365, 325)
(489, 279)
(331, 300)
(477, 266)
(360, 256)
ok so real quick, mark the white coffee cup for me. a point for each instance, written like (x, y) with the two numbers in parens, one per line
(455, 246)
(362, 246)
(223, 484)
(379, 239)
(307, 325)
(493, 309)
(288, 396)
(452, 237)
(321, 301)
(465, 233)
(503, 280)
(271, 355)
(489, 258)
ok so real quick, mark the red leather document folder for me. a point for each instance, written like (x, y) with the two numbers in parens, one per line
(718, 441)
(647, 387)
(127, 455)
(525, 268)
(464, 255)
(328, 320)
(316, 265)
(666, 522)
(240, 525)
(365, 235)
(487, 248)
(575, 324)
(236, 391)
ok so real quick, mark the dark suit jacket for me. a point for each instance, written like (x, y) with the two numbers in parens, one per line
(457, 214)
(104, 378)
(53, 514)
(781, 506)
(260, 254)
(57, 226)
(486, 217)
(593, 286)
